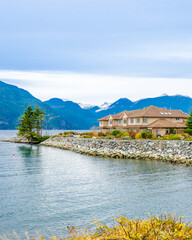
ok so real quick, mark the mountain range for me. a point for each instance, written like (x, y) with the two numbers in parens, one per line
(65, 114)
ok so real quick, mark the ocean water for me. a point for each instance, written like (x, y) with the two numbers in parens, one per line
(13, 133)
(44, 190)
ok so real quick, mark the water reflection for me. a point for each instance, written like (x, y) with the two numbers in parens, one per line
(29, 151)
(32, 158)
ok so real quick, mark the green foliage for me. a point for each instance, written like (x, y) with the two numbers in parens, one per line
(171, 130)
(39, 117)
(189, 131)
(172, 137)
(189, 121)
(116, 132)
(40, 139)
(125, 134)
(189, 124)
(31, 123)
(109, 137)
(146, 134)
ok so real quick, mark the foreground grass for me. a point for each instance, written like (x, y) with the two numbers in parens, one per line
(153, 228)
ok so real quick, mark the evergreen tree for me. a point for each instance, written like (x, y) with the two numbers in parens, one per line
(39, 120)
(31, 123)
(189, 124)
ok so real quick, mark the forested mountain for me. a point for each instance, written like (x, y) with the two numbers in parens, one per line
(79, 118)
(13, 102)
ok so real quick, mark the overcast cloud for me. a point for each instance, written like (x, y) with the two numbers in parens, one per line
(98, 50)
(94, 89)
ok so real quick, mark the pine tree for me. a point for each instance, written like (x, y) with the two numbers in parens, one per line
(39, 120)
(189, 124)
(31, 123)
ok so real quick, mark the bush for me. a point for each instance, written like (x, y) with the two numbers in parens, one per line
(86, 136)
(68, 132)
(174, 137)
(138, 136)
(109, 137)
(86, 133)
(132, 134)
(125, 134)
(95, 134)
(164, 228)
(118, 135)
(188, 130)
(116, 132)
(40, 139)
(125, 137)
(171, 130)
(100, 134)
(146, 134)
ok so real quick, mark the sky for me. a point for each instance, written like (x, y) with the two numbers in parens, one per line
(92, 51)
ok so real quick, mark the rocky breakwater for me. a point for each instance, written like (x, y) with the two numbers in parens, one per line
(169, 151)
(15, 140)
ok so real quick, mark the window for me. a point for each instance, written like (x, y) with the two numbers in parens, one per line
(116, 122)
(177, 118)
(119, 122)
(101, 123)
(132, 120)
(144, 120)
(110, 122)
(138, 120)
(124, 121)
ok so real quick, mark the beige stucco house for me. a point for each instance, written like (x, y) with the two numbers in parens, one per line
(157, 120)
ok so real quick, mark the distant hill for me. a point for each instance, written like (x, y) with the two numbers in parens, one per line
(183, 103)
(13, 102)
(69, 115)
(79, 118)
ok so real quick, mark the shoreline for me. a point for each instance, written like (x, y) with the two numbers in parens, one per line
(177, 152)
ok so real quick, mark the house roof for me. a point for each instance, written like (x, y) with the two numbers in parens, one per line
(150, 111)
(166, 123)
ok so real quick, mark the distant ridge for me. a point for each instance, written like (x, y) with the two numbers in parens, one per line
(65, 114)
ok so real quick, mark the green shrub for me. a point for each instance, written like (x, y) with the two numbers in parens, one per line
(68, 132)
(146, 134)
(109, 137)
(40, 139)
(116, 132)
(125, 134)
(171, 130)
(188, 130)
(173, 137)
(87, 136)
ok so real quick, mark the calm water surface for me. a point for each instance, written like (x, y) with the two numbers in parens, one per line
(44, 189)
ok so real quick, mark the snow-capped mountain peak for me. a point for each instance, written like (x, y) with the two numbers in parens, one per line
(104, 106)
(86, 106)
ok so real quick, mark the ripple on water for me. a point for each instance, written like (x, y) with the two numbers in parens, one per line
(46, 189)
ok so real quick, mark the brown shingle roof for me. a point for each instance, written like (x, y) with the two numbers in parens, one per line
(150, 111)
(166, 123)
